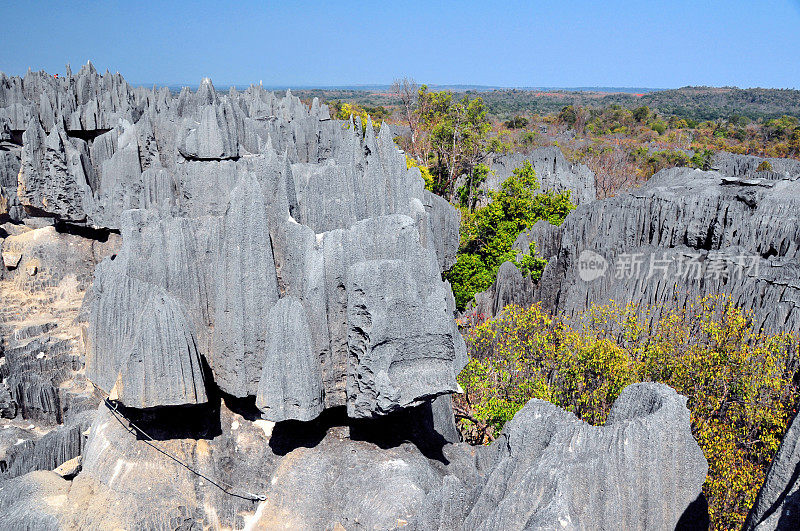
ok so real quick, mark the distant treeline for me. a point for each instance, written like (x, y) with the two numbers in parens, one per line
(692, 103)
(695, 103)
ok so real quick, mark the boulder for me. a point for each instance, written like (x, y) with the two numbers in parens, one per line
(549, 470)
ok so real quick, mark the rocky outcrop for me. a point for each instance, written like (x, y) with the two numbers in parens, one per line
(228, 203)
(291, 380)
(682, 235)
(778, 503)
(553, 172)
(273, 335)
(643, 469)
(46, 404)
(546, 463)
(746, 166)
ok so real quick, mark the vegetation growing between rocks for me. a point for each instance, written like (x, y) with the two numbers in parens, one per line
(740, 383)
(488, 233)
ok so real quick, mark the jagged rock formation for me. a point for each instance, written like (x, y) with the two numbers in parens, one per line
(643, 469)
(552, 170)
(45, 400)
(778, 503)
(683, 234)
(275, 318)
(546, 463)
(746, 166)
(226, 204)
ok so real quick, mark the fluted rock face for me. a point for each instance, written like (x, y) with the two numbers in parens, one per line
(401, 343)
(291, 381)
(685, 233)
(52, 177)
(553, 172)
(550, 470)
(21, 501)
(10, 207)
(734, 165)
(777, 505)
(246, 291)
(276, 320)
(46, 403)
(228, 203)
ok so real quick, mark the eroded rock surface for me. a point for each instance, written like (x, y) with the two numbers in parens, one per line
(263, 297)
(778, 503)
(684, 234)
(548, 469)
(553, 172)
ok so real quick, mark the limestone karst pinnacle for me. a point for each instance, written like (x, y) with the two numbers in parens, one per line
(258, 288)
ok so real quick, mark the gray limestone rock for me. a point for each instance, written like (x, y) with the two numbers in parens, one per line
(275, 318)
(291, 381)
(549, 470)
(682, 235)
(22, 501)
(246, 291)
(778, 503)
(553, 172)
(52, 178)
(402, 343)
(735, 165)
(160, 364)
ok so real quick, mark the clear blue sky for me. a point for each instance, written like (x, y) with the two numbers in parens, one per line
(508, 43)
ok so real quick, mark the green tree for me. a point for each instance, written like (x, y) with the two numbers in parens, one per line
(457, 133)
(641, 114)
(764, 166)
(702, 159)
(740, 383)
(517, 122)
(488, 233)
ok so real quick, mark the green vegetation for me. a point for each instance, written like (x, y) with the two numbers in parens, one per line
(343, 111)
(487, 233)
(739, 382)
(452, 136)
(764, 166)
(624, 138)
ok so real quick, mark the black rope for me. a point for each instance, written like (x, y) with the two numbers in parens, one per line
(131, 428)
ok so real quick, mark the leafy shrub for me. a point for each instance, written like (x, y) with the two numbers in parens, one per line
(702, 159)
(470, 193)
(517, 122)
(659, 127)
(343, 111)
(764, 166)
(739, 382)
(488, 233)
(527, 138)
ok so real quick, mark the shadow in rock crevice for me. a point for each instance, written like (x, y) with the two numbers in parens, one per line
(162, 423)
(413, 425)
(784, 499)
(289, 435)
(90, 233)
(188, 421)
(695, 517)
(790, 512)
(245, 407)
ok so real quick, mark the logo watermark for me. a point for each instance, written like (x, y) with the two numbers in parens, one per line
(691, 266)
(591, 265)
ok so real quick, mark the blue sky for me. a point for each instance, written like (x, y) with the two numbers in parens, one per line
(560, 43)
